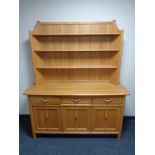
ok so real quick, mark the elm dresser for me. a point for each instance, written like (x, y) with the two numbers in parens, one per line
(76, 68)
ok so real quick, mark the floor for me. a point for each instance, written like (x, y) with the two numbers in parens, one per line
(76, 145)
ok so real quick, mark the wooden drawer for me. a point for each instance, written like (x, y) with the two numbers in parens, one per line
(76, 100)
(44, 100)
(108, 100)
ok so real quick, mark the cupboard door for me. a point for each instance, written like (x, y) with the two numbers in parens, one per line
(105, 119)
(53, 120)
(112, 119)
(40, 121)
(75, 119)
(68, 119)
(83, 119)
(47, 118)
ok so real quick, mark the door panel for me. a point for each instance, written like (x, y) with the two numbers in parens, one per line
(111, 119)
(75, 118)
(53, 120)
(98, 119)
(68, 118)
(105, 118)
(47, 118)
(83, 119)
(40, 118)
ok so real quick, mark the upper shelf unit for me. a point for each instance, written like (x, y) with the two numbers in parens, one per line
(76, 51)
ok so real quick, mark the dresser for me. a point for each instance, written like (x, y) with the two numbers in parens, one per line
(76, 69)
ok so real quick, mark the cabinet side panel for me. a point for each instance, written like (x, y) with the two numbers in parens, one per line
(35, 59)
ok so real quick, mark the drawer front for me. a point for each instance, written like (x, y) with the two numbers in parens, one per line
(44, 100)
(76, 100)
(108, 100)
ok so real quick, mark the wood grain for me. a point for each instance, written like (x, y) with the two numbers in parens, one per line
(85, 46)
(76, 70)
(58, 88)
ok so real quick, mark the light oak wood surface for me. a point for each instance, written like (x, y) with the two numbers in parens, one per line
(76, 69)
(85, 47)
(76, 88)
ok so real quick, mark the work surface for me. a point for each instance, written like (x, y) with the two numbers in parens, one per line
(76, 88)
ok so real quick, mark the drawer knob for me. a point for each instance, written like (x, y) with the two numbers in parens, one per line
(76, 100)
(107, 100)
(44, 100)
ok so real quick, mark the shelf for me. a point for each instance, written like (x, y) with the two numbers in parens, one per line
(77, 67)
(77, 34)
(78, 50)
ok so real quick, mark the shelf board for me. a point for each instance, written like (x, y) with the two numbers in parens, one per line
(77, 67)
(76, 34)
(78, 50)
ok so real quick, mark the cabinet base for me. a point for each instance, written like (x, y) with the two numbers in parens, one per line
(34, 135)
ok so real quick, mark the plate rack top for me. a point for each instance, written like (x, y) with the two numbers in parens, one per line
(79, 28)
